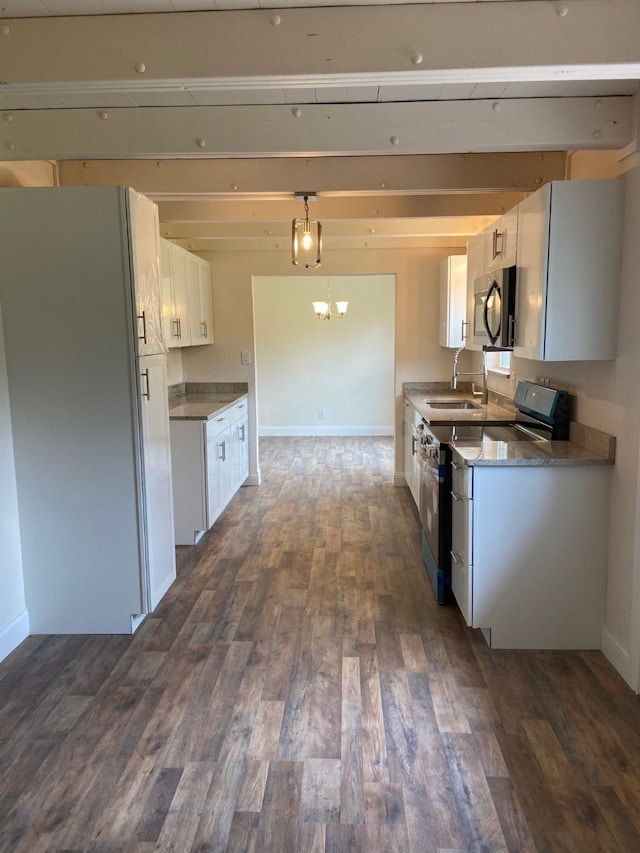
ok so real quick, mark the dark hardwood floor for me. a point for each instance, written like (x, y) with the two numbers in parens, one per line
(299, 689)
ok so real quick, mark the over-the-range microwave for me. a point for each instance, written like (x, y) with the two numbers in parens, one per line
(494, 309)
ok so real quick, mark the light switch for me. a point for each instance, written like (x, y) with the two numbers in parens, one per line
(245, 357)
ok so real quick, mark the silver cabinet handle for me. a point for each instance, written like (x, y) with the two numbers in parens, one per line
(462, 334)
(220, 420)
(179, 321)
(454, 558)
(176, 327)
(146, 394)
(222, 450)
(203, 326)
(455, 466)
(143, 336)
(455, 497)
(498, 235)
(243, 436)
(413, 445)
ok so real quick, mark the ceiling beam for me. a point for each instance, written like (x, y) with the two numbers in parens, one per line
(279, 178)
(330, 46)
(544, 124)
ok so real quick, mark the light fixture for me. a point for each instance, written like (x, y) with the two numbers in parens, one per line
(323, 309)
(306, 237)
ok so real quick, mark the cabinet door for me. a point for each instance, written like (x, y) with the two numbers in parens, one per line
(461, 540)
(205, 327)
(166, 289)
(157, 490)
(145, 257)
(239, 445)
(475, 269)
(180, 336)
(453, 293)
(218, 465)
(501, 241)
(407, 433)
(533, 224)
(193, 299)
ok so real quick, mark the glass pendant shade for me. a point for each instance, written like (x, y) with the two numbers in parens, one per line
(306, 240)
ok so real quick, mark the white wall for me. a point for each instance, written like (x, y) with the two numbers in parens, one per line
(325, 377)
(14, 620)
(418, 357)
(606, 397)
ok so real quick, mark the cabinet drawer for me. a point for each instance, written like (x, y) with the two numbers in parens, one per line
(462, 587)
(461, 538)
(217, 424)
(238, 411)
(461, 479)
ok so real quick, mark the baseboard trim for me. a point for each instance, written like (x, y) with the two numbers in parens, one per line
(617, 656)
(398, 479)
(253, 480)
(293, 431)
(14, 633)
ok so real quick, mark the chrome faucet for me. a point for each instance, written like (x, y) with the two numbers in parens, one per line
(483, 373)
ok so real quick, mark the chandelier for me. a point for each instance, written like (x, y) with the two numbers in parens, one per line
(323, 309)
(306, 237)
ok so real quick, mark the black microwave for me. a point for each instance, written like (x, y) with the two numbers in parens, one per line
(494, 309)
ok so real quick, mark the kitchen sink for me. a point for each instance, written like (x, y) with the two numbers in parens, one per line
(454, 404)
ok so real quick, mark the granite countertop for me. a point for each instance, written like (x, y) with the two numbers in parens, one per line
(486, 413)
(202, 401)
(587, 446)
(525, 453)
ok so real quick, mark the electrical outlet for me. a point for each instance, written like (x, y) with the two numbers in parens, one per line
(322, 413)
(245, 357)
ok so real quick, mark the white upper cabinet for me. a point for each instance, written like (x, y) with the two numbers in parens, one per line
(569, 253)
(200, 300)
(187, 304)
(145, 250)
(475, 269)
(501, 242)
(453, 294)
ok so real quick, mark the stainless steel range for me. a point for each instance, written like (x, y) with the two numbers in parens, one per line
(542, 414)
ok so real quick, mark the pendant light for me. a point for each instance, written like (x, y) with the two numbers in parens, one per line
(306, 237)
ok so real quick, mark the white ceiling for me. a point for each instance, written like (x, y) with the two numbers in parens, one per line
(95, 109)
(48, 8)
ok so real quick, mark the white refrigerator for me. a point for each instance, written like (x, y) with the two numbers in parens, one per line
(86, 365)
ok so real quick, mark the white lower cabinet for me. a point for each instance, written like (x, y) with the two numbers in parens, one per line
(410, 450)
(529, 550)
(210, 461)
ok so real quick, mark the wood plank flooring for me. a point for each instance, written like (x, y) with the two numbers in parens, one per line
(299, 690)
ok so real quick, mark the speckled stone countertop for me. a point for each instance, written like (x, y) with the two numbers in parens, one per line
(200, 401)
(491, 412)
(588, 446)
(525, 453)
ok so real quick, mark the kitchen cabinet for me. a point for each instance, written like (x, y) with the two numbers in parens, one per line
(529, 553)
(175, 307)
(569, 255)
(200, 302)
(210, 461)
(411, 423)
(476, 259)
(453, 294)
(88, 388)
(187, 303)
(501, 242)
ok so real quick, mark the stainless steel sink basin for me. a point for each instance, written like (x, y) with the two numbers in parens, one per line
(454, 404)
